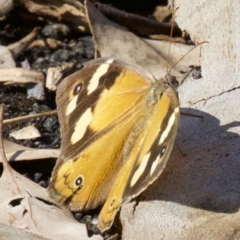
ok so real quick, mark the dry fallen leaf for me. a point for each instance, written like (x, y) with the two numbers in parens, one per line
(28, 132)
(11, 233)
(16, 152)
(176, 52)
(20, 75)
(56, 74)
(114, 40)
(6, 59)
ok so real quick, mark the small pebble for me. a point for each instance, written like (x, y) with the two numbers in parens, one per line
(56, 31)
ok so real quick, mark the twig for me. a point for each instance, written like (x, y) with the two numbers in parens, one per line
(27, 117)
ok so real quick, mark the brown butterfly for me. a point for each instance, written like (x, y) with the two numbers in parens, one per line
(118, 128)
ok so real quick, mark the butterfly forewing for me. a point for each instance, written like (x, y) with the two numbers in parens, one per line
(117, 90)
(95, 124)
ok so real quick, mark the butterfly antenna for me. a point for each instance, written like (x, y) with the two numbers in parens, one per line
(171, 33)
(186, 55)
(168, 78)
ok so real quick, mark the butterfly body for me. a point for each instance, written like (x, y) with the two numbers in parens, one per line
(118, 128)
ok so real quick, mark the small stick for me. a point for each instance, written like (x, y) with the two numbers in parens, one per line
(27, 117)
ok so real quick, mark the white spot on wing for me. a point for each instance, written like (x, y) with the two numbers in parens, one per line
(154, 165)
(163, 151)
(140, 169)
(167, 130)
(72, 105)
(81, 126)
(157, 161)
(176, 110)
(94, 81)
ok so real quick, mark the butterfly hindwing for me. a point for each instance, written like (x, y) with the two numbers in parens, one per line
(153, 142)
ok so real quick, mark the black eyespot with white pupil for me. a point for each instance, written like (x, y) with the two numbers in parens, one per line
(78, 181)
(163, 150)
(113, 201)
(77, 89)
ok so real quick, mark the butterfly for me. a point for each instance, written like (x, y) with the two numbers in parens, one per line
(118, 127)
